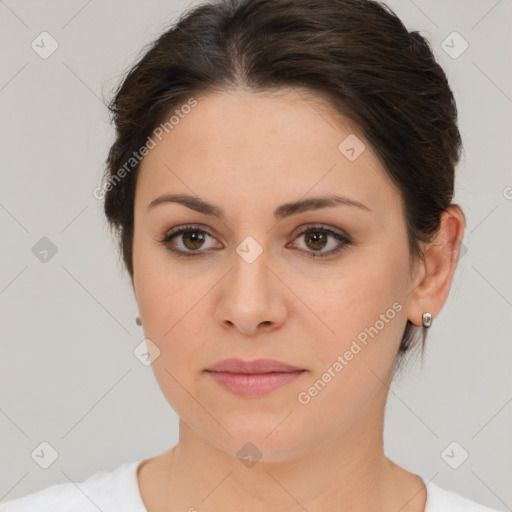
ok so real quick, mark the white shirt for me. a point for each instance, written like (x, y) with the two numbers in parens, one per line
(118, 491)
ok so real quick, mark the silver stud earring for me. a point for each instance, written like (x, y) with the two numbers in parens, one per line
(138, 321)
(427, 319)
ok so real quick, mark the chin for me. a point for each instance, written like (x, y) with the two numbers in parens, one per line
(260, 442)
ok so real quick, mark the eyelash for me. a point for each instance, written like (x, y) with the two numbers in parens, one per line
(314, 255)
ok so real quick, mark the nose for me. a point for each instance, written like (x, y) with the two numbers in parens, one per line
(251, 297)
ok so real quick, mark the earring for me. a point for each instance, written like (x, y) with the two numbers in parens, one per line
(427, 319)
(138, 321)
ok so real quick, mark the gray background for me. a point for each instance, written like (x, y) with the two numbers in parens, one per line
(68, 375)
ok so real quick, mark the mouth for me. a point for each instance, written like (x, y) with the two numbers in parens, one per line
(253, 378)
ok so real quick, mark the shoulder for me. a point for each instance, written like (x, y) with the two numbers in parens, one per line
(107, 491)
(441, 500)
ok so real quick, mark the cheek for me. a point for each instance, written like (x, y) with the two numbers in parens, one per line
(172, 321)
(357, 300)
(350, 365)
(363, 317)
(156, 289)
(171, 309)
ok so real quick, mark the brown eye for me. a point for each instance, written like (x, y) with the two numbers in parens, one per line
(188, 241)
(192, 240)
(316, 238)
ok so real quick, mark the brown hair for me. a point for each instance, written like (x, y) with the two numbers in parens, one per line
(356, 53)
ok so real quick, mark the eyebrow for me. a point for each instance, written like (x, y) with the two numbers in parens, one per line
(282, 211)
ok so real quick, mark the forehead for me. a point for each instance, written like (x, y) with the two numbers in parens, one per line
(282, 144)
(226, 120)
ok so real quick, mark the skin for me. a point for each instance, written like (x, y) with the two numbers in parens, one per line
(249, 153)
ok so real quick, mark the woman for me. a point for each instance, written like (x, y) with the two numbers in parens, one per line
(281, 187)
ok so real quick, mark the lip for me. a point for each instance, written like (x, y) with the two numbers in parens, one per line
(257, 366)
(253, 378)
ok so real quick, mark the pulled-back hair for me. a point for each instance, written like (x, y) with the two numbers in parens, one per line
(357, 54)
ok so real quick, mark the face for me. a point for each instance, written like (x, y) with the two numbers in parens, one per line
(324, 289)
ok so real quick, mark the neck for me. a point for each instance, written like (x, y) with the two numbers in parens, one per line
(346, 473)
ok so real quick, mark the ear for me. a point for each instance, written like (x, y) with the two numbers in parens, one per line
(435, 272)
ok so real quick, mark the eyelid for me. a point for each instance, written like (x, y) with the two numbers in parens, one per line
(343, 239)
(185, 227)
(300, 230)
(178, 230)
(339, 235)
